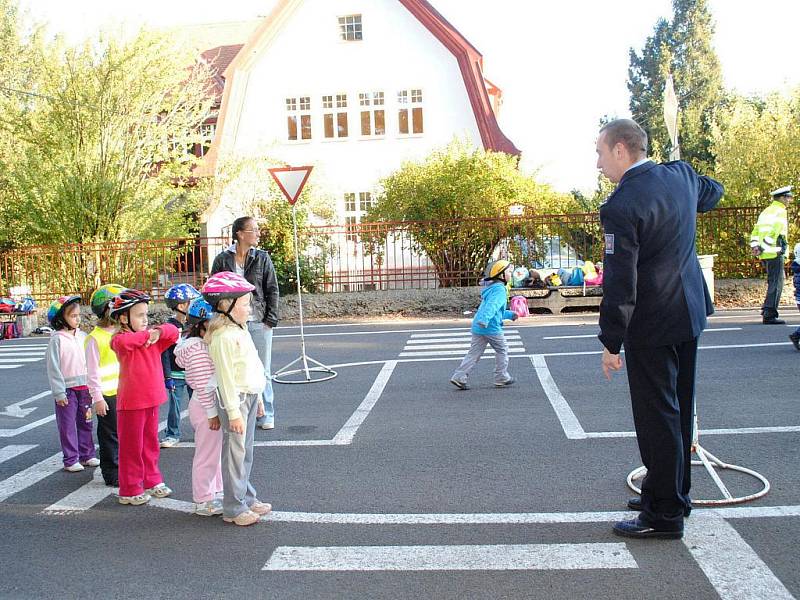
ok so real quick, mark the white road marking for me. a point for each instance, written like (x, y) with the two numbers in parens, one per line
(19, 360)
(452, 340)
(5, 352)
(9, 452)
(456, 352)
(503, 557)
(348, 430)
(5, 433)
(731, 565)
(82, 499)
(33, 474)
(569, 422)
(704, 432)
(452, 346)
(466, 333)
(569, 337)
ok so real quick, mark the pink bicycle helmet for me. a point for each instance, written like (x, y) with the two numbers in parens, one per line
(226, 284)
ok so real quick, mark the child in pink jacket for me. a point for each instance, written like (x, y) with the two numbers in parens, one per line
(191, 354)
(139, 394)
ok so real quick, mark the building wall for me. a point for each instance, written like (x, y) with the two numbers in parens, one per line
(307, 58)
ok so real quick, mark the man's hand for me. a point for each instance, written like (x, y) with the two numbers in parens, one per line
(611, 362)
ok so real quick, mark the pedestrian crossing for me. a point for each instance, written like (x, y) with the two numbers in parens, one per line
(453, 344)
(13, 356)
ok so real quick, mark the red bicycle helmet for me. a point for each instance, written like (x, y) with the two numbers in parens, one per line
(126, 300)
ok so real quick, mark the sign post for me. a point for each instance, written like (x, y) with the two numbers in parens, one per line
(291, 181)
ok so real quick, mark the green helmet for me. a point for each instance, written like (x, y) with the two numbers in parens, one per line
(102, 296)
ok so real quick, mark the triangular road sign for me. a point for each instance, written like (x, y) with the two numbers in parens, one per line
(291, 180)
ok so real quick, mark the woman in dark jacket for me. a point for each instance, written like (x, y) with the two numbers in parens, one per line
(255, 265)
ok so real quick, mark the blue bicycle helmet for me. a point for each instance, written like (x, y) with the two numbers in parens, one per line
(180, 293)
(199, 311)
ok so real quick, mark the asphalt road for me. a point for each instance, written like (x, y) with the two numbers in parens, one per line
(388, 482)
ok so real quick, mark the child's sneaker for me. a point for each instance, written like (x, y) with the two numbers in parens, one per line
(92, 462)
(244, 519)
(169, 442)
(137, 500)
(74, 468)
(459, 384)
(208, 509)
(261, 508)
(159, 491)
(505, 383)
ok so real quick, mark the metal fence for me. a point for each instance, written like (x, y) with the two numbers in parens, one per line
(369, 256)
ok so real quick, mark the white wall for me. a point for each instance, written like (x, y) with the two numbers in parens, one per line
(307, 58)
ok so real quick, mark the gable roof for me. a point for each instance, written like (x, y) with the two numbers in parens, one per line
(470, 63)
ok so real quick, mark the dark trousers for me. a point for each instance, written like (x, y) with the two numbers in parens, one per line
(775, 277)
(662, 396)
(108, 442)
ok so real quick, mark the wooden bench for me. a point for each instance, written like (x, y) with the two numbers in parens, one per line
(557, 298)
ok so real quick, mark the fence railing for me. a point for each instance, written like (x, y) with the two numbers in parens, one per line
(369, 256)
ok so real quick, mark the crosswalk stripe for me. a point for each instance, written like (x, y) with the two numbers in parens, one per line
(12, 451)
(502, 557)
(466, 338)
(457, 333)
(456, 352)
(14, 354)
(19, 360)
(84, 498)
(33, 474)
(452, 346)
(10, 366)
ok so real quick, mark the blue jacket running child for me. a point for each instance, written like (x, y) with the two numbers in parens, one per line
(487, 328)
(795, 336)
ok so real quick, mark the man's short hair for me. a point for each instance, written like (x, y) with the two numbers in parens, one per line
(628, 133)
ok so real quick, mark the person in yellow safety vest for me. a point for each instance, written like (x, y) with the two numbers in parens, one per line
(768, 242)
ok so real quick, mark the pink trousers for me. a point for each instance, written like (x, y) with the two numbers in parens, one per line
(206, 469)
(137, 431)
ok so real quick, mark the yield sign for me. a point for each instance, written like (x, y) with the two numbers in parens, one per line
(291, 180)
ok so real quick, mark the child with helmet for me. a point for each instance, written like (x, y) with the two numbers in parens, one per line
(177, 299)
(240, 382)
(191, 354)
(66, 372)
(139, 394)
(103, 377)
(487, 327)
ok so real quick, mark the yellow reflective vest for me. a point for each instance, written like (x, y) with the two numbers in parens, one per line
(108, 365)
(772, 223)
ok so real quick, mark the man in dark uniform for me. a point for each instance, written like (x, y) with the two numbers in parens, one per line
(655, 302)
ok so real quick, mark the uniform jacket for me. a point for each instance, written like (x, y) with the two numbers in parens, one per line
(771, 231)
(141, 377)
(654, 293)
(489, 318)
(258, 270)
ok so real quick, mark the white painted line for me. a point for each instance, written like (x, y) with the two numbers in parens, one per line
(82, 499)
(172, 504)
(9, 452)
(569, 422)
(348, 430)
(20, 360)
(466, 333)
(10, 366)
(722, 329)
(466, 338)
(17, 347)
(744, 346)
(6, 352)
(33, 474)
(731, 565)
(456, 352)
(452, 346)
(704, 432)
(5, 433)
(505, 557)
(387, 331)
(570, 337)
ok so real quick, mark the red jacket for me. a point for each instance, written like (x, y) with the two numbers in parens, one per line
(141, 377)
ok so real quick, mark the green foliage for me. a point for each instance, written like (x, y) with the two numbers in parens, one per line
(100, 150)
(453, 183)
(682, 47)
(245, 187)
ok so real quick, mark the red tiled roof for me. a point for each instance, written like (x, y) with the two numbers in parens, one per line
(218, 59)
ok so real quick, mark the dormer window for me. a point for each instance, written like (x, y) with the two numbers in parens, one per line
(350, 28)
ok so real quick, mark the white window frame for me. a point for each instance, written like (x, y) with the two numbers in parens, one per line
(410, 102)
(351, 28)
(299, 109)
(335, 106)
(371, 105)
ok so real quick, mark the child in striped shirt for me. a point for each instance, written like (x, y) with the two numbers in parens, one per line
(191, 354)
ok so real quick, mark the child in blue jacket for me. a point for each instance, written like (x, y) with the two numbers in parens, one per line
(795, 336)
(487, 328)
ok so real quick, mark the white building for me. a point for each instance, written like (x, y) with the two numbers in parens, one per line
(354, 88)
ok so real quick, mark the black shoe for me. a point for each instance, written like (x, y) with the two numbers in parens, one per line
(112, 482)
(635, 503)
(773, 321)
(636, 528)
(795, 340)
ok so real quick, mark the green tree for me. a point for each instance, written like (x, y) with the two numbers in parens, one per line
(449, 204)
(101, 139)
(682, 47)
